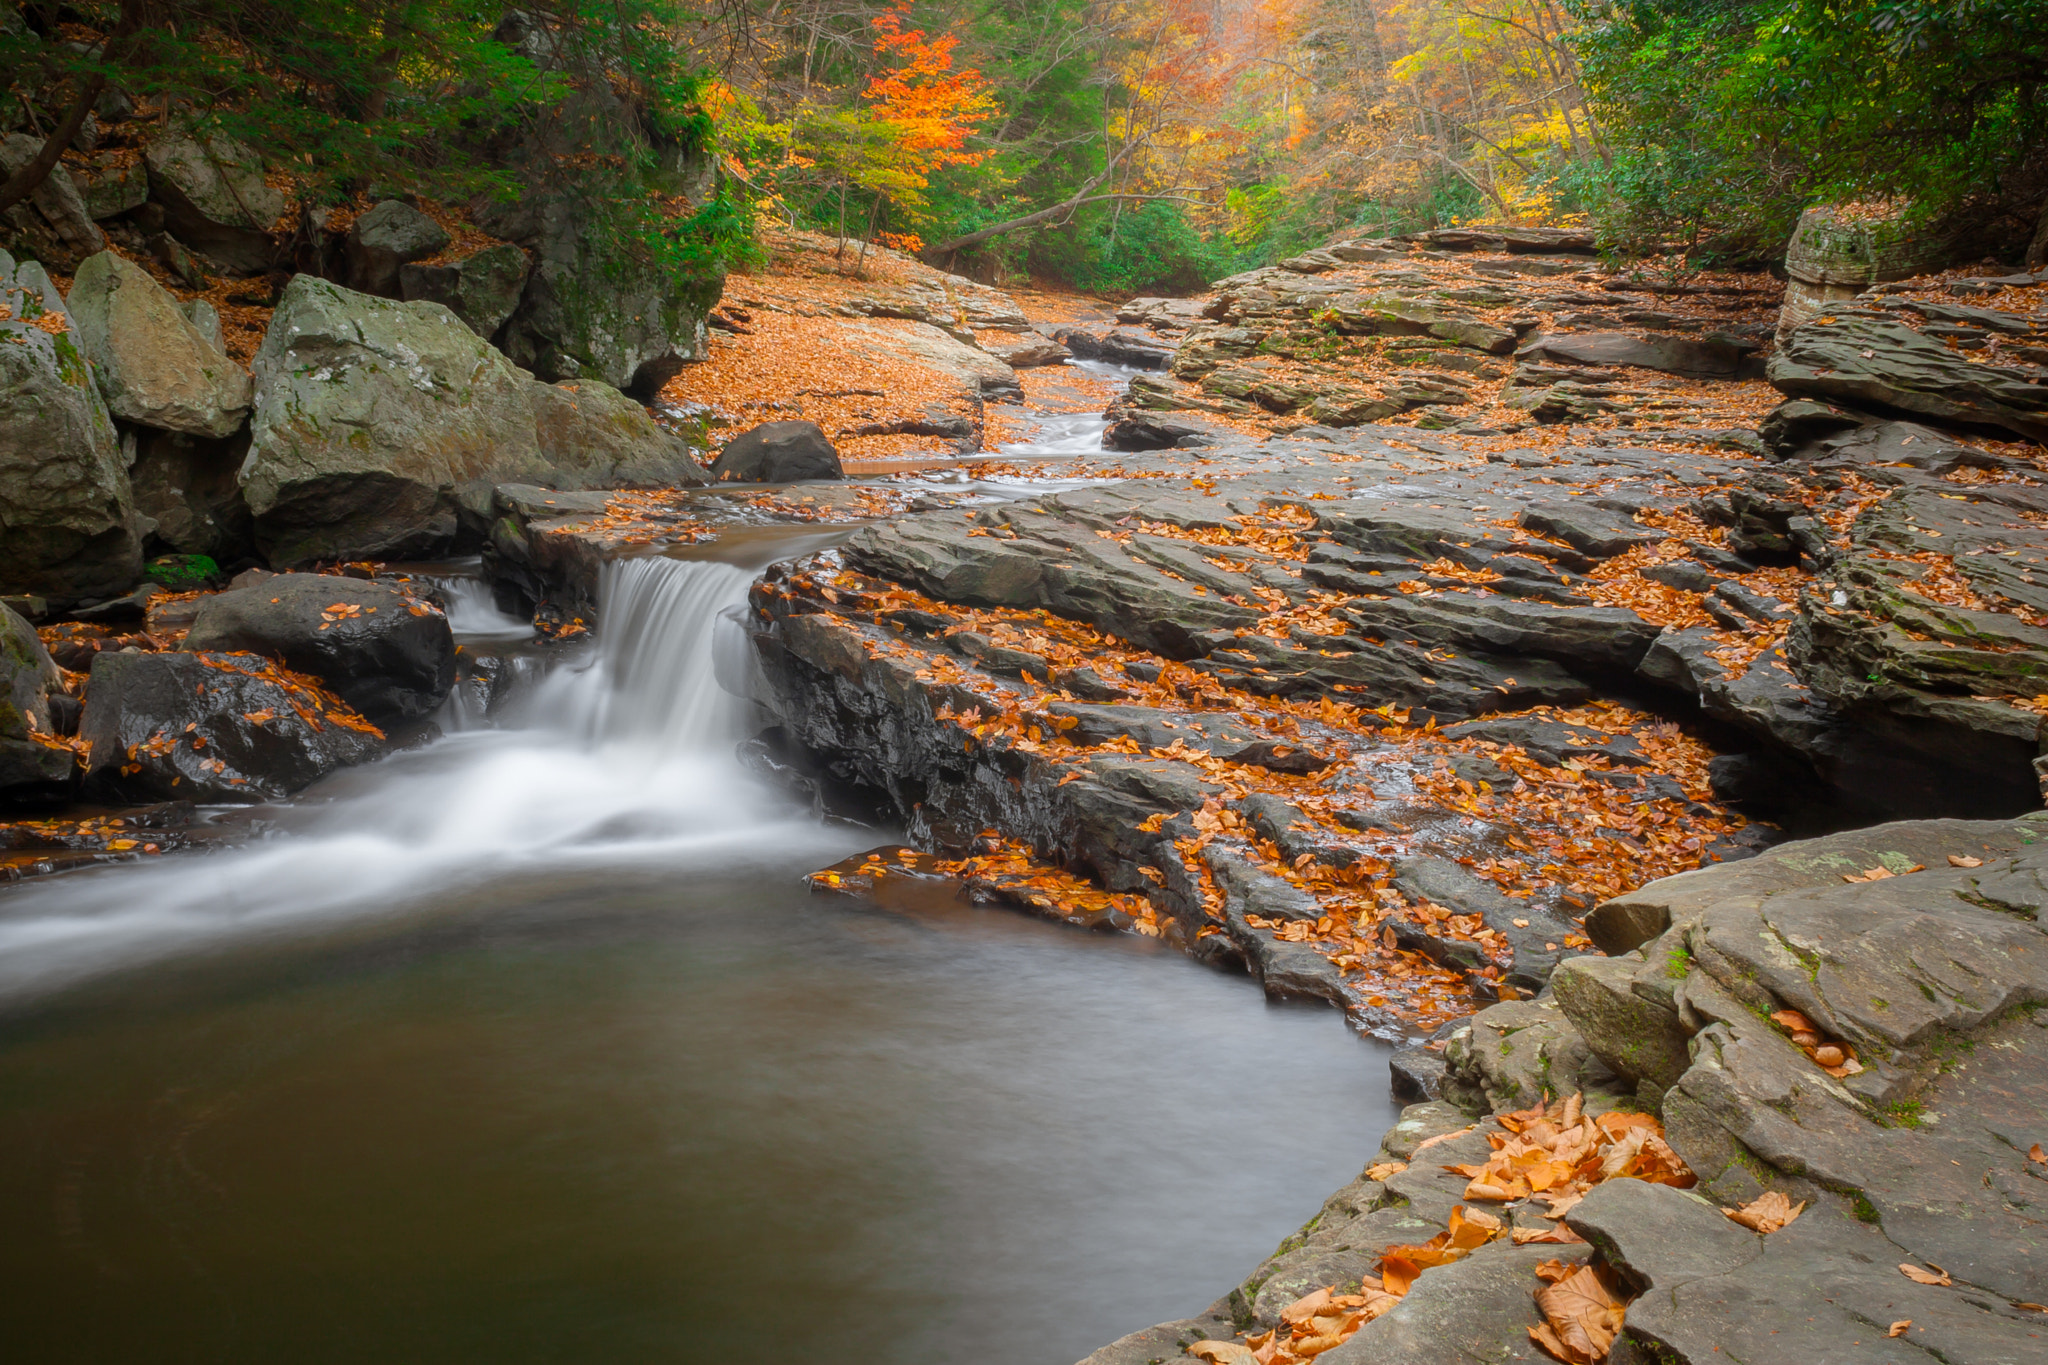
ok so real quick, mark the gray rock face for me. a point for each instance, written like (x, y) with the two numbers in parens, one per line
(482, 289)
(214, 197)
(188, 486)
(54, 222)
(1521, 1053)
(1864, 358)
(110, 188)
(67, 528)
(207, 727)
(391, 235)
(388, 655)
(778, 452)
(368, 414)
(596, 437)
(153, 366)
(588, 312)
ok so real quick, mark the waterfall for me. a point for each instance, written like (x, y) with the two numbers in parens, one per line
(625, 752)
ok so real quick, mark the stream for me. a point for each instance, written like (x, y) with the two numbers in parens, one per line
(529, 1044)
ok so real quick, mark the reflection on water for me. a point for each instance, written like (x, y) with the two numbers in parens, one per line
(527, 1046)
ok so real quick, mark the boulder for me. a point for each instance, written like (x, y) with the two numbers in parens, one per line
(778, 452)
(1478, 1309)
(153, 366)
(388, 654)
(1520, 1053)
(369, 413)
(111, 184)
(596, 437)
(482, 289)
(1828, 262)
(1866, 361)
(391, 235)
(27, 678)
(67, 523)
(211, 727)
(53, 223)
(214, 198)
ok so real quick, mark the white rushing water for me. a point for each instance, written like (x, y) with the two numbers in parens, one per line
(623, 753)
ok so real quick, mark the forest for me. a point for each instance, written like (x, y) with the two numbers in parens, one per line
(1112, 145)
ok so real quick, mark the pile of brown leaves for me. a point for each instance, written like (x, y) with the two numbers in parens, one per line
(1556, 1154)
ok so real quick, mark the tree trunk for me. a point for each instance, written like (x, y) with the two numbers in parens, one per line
(2037, 251)
(30, 177)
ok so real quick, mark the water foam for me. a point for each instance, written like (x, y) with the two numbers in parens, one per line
(623, 753)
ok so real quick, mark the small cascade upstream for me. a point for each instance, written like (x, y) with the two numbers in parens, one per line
(624, 753)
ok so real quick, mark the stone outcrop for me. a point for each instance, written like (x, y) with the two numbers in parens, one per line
(1831, 260)
(214, 198)
(67, 523)
(593, 436)
(189, 487)
(153, 366)
(1881, 355)
(482, 289)
(210, 727)
(369, 414)
(386, 653)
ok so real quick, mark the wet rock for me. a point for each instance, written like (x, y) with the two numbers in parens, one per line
(1282, 968)
(482, 289)
(778, 452)
(1416, 1074)
(67, 524)
(152, 365)
(1118, 346)
(54, 222)
(208, 727)
(1154, 1345)
(593, 436)
(214, 198)
(1880, 362)
(368, 414)
(387, 654)
(389, 236)
(1598, 637)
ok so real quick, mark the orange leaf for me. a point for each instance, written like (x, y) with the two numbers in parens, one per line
(1934, 1274)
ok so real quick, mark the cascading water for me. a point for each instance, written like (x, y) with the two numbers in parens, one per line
(626, 753)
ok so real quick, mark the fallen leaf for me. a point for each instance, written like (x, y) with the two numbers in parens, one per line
(1767, 1212)
(2034, 1153)
(1934, 1274)
(1223, 1353)
(1898, 1329)
(1960, 860)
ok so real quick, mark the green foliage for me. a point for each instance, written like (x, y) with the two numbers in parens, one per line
(1146, 248)
(1728, 117)
(451, 100)
(183, 573)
